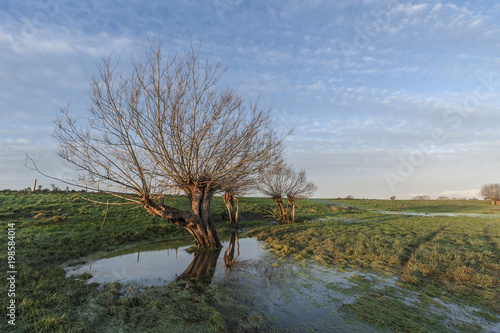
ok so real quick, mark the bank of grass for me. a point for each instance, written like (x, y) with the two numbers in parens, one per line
(453, 259)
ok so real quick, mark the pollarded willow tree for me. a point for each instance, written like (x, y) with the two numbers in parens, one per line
(167, 126)
(279, 180)
(238, 187)
(298, 186)
(272, 182)
(491, 192)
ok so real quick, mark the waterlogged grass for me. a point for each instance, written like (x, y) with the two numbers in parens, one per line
(438, 262)
(441, 259)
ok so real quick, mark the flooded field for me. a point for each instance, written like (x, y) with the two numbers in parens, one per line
(344, 266)
(284, 295)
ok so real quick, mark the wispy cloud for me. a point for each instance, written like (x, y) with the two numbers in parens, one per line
(409, 69)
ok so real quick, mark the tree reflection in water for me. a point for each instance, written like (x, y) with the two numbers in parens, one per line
(155, 264)
(229, 258)
(202, 269)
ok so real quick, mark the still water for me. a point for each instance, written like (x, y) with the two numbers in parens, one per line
(160, 263)
(288, 296)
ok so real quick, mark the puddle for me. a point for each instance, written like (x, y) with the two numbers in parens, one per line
(286, 295)
(160, 263)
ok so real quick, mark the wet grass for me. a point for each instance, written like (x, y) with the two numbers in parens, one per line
(53, 228)
(441, 260)
(450, 259)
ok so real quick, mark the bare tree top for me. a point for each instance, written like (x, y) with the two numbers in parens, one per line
(167, 124)
(490, 191)
(279, 179)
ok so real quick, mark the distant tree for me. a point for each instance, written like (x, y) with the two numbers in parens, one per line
(491, 192)
(236, 188)
(393, 197)
(229, 198)
(166, 126)
(349, 197)
(298, 186)
(272, 182)
(421, 197)
(280, 180)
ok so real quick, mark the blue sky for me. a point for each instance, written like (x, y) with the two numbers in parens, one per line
(386, 97)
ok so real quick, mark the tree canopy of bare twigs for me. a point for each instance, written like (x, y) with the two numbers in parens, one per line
(491, 192)
(167, 126)
(281, 180)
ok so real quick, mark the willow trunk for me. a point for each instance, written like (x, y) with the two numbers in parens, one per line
(197, 221)
(281, 209)
(229, 200)
(291, 208)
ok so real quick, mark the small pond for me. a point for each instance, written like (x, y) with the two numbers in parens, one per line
(160, 263)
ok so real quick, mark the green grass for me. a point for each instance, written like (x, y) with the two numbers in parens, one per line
(445, 258)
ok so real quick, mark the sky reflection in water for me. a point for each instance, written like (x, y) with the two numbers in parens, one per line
(160, 263)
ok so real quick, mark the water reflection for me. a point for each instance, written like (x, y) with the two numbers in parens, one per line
(202, 268)
(229, 258)
(157, 264)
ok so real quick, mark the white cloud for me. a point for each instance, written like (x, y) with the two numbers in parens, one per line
(461, 194)
(415, 9)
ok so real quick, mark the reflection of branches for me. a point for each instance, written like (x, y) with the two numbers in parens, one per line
(229, 258)
(202, 268)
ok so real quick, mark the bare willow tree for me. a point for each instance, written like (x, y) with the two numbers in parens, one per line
(279, 180)
(491, 192)
(272, 182)
(167, 126)
(229, 198)
(297, 186)
(239, 187)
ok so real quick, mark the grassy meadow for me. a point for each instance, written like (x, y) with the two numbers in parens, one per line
(439, 260)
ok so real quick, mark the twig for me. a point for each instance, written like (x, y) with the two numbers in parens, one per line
(113, 203)
(105, 214)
